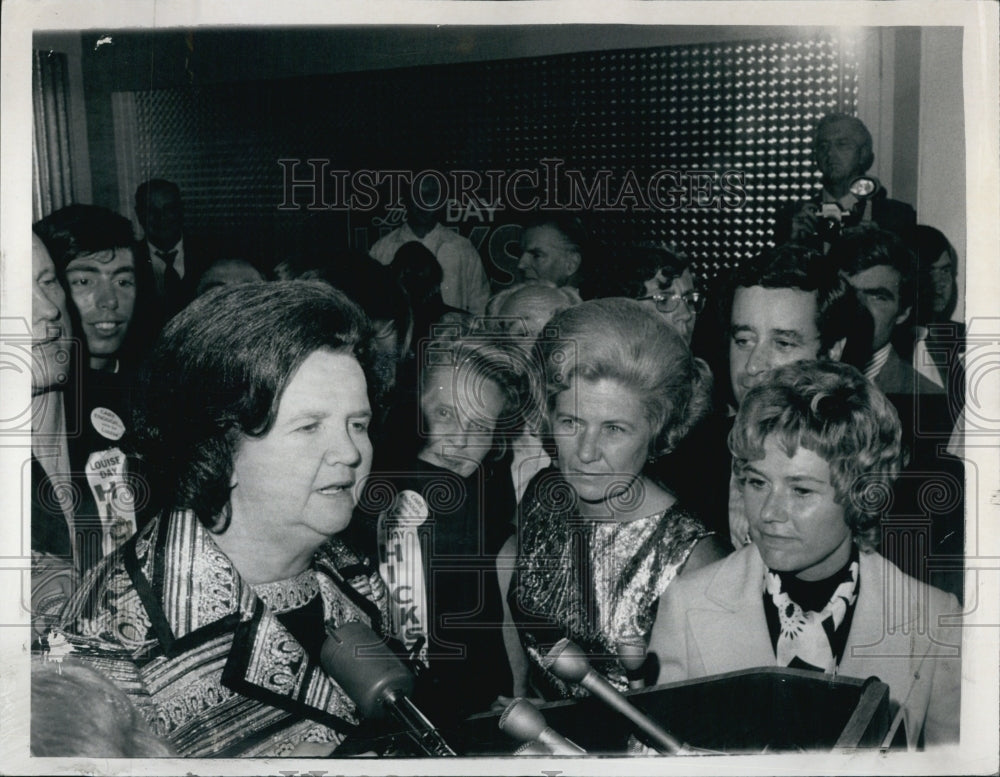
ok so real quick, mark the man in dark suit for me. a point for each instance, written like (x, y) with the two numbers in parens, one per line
(784, 305)
(879, 266)
(842, 150)
(175, 262)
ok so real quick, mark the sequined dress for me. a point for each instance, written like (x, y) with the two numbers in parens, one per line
(596, 582)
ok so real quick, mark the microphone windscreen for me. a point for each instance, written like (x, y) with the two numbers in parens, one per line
(362, 664)
(631, 655)
(567, 661)
(522, 721)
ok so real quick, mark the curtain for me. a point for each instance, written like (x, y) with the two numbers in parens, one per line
(127, 146)
(52, 178)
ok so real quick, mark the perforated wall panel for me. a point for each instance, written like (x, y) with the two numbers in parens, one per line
(743, 108)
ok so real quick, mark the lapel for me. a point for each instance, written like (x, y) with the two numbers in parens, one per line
(898, 377)
(885, 619)
(730, 629)
(194, 595)
(890, 377)
(886, 639)
(867, 627)
(140, 252)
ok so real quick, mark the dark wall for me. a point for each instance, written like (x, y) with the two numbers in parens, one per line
(616, 117)
(133, 59)
(217, 111)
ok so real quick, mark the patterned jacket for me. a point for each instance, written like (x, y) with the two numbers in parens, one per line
(168, 619)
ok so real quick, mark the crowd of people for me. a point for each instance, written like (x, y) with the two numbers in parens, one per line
(231, 461)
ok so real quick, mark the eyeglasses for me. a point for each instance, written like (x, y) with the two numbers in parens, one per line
(668, 303)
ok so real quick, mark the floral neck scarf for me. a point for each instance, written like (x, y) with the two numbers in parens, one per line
(810, 639)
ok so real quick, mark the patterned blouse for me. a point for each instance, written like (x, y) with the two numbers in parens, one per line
(596, 582)
(205, 659)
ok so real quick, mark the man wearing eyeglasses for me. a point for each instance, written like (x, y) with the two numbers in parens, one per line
(658, 277)
(675, 299)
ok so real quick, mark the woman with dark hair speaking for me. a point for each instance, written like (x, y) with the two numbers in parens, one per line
(212, 618)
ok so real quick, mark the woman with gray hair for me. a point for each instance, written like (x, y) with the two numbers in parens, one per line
(77, 712)
(598, 541)
(524, 308)
(521, 312)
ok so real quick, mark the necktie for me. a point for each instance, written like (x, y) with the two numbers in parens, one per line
(923, 361)
(171, 279)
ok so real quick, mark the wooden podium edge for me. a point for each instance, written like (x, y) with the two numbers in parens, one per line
(863, 728)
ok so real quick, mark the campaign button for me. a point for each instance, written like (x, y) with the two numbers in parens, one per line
(107, 423)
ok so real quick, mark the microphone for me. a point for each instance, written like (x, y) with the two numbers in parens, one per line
(378, 683)
(526, 724)
(532, 748)
(632, 656)
(569, 663)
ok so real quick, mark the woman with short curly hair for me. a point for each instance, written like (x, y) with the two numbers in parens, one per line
(828, 410)
(816, 448)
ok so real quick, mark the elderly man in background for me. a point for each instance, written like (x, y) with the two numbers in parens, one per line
(554, 246)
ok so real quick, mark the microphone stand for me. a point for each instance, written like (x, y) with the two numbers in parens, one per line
(425, 737)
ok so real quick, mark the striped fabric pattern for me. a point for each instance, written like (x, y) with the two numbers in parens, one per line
(211, 668)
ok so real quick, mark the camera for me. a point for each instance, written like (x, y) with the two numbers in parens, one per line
(833, 218)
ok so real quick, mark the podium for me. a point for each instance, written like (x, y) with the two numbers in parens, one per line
(751, 711)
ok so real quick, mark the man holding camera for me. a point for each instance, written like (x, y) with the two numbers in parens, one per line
(842, 149)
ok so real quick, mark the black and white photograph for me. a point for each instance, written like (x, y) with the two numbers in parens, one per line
(527, 387)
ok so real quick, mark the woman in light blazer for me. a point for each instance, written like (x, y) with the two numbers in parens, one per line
(816, 448)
